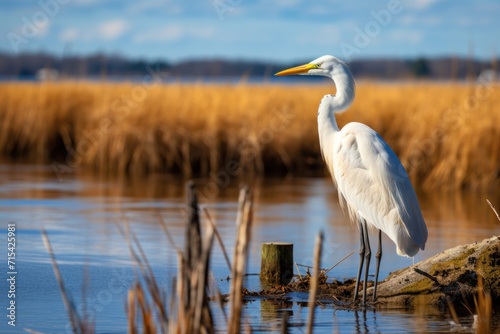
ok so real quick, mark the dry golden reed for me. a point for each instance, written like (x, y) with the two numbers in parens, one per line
(446, 135)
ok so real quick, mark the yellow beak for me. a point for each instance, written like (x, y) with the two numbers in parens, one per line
(297, 70)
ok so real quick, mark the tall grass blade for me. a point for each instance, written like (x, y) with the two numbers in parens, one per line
(314, 281)
(78, 325)
(244, 221)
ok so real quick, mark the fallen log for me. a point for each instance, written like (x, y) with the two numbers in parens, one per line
(451, 276)
(458, 276)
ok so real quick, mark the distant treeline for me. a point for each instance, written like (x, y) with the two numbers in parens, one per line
(28, 64)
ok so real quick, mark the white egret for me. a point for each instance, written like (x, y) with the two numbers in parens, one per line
(371, 181)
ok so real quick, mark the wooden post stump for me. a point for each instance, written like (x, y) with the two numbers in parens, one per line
(276, 263)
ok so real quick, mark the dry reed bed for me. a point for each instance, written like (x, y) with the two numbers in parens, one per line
(447, 135)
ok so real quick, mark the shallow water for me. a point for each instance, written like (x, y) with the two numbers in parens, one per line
(84, 215)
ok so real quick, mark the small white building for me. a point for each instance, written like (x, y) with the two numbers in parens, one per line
(47, 74)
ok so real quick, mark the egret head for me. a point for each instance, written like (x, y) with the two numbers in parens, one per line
(324, 65)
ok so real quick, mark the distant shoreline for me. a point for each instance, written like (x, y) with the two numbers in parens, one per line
(27, 65)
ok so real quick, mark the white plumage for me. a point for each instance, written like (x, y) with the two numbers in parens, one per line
(371, 181)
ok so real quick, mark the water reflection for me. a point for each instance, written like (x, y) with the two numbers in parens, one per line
(82, 214)
(361, 326)
(458, 218)
(272, 310)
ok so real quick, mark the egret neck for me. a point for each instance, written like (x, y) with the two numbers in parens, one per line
(334, 104)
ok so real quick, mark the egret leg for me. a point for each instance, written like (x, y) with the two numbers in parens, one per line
(368, 254)
(361, 259)
(378, 256)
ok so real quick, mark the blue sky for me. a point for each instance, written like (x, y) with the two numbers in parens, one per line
(254, 30)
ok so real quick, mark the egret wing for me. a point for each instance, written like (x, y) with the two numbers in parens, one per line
(375, 186)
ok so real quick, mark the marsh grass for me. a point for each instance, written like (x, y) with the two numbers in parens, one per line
(192, 300)
(188, 308)
(482, 312)
(446, 135)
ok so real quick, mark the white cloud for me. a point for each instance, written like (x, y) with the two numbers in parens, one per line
(85, 2)
(318, 9)
(410, 20)
(170, 32)
(325, 34)
(205, 33)
(167, 33)
(422, 4)
(431, 21)
(165, 6)
(112, 29)
(285, 4)
(43, 28)
(69, 35)
(107, 30)
(412, 37)
(174, 32)
(472, 21)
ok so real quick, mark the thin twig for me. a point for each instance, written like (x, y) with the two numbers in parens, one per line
(339, 262)
(139, 256)
(219, 239)
(492, 208)
(453, 312)
(429, 276)
(298, 271)
(220, 302)
(167, 232)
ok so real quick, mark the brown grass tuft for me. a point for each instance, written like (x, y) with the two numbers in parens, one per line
(447, 135)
